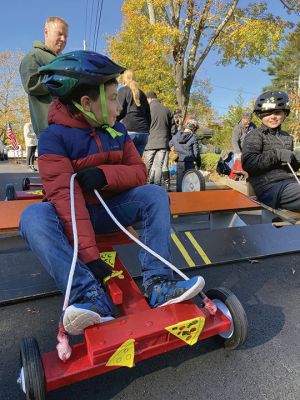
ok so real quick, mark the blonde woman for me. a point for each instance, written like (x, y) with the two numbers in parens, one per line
(135, 114)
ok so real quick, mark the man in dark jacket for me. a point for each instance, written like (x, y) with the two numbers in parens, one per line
(243, 127)
(157, 149)
(56, 33)
(268, 154)
(186, 146)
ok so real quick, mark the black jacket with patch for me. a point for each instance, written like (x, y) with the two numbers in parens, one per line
(260, 159)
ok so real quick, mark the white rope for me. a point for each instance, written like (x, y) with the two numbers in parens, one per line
(293, 172)
(75, 238)
(164, 261)
(132, 237)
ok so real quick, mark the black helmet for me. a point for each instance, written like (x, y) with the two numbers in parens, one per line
(82, 66)
(272, 100)
(191, 122)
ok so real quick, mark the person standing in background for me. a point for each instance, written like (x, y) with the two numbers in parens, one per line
(241, 129)
(56, 33)
(186, 146)
(135, 113)
(31, 145)
(157, 149)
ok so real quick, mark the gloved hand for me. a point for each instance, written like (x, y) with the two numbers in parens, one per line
(297, 155)
(285, 155)
(99, 269)
(91, 178)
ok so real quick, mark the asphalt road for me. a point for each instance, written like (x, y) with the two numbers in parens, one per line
(266, 367)
(10, 172)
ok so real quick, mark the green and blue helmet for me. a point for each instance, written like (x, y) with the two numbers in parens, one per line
(67, 71)
(81, 67)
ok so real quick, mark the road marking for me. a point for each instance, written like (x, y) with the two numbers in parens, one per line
(182, 250)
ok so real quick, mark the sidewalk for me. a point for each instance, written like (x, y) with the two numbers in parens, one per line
(11, 166)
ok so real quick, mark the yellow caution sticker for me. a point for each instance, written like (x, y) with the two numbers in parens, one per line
(39, 192)
(124, 356)
(189, 330)
(114, 274)
(109, 257)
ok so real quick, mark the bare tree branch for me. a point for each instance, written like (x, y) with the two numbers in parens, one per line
(175, 8)
(187, 25)
(151, 12)
(287, 6)
(197, 34)
(215, 36)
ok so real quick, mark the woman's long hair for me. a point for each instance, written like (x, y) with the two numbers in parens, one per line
(129, 80)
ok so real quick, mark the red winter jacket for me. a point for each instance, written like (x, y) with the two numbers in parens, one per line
(69, 145)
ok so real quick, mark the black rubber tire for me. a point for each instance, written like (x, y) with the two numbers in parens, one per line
(34, 377)
(26, 184)
(10, 192)
(193, 181)
(237, 313)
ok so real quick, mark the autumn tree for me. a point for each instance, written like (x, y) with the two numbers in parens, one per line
(166, 41)
(13, 101)
(224, 129)
(284, 70)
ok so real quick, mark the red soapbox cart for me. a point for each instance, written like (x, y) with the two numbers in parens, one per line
(140, 332)
(29, 191)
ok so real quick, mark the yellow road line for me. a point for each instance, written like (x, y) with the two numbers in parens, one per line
(198, 248)
(182, 250)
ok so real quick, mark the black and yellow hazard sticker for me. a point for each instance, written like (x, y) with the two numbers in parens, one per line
(190, 249)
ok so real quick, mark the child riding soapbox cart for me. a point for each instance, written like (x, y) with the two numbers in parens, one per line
(138, 333)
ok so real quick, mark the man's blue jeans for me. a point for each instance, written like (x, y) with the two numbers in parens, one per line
(140, 140)
(43, 231)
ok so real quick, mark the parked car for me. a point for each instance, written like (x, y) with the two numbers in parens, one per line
(19, 153)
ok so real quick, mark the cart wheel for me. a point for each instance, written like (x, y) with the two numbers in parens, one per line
(26, 183)
(10, 192)
(193, 181)
(231, 307)
(32, 378)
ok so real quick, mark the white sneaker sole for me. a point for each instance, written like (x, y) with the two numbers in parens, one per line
(75, 319)
(189, 294)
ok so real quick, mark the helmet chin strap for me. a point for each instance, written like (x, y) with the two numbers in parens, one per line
(113, 133)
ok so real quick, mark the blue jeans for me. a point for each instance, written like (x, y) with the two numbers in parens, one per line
(43, 231)
(140, 140)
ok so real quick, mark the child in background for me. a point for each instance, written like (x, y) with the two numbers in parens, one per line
(267, 151)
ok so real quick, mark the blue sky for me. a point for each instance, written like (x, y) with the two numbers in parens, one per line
(22, 22)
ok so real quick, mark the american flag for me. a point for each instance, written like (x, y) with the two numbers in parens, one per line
(12, 137)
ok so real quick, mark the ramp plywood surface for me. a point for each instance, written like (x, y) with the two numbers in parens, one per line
(10, 212)
(181, 203)
(210, 200)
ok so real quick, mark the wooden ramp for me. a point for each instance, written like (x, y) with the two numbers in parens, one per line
(210, 201)
(10, 212)
(181, 203)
